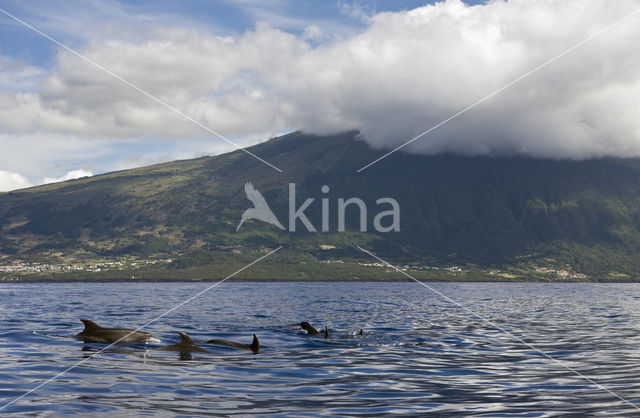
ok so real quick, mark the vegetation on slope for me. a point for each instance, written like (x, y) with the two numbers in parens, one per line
(503, 217)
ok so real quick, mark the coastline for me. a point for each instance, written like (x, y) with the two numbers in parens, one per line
(308, 280)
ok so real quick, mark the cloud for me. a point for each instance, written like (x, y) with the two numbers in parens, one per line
(406, 72)
(313, 33)
(71, 175)
(411, 70)
(46, 155)
(15, 75)
(357, 10)
(12, 181)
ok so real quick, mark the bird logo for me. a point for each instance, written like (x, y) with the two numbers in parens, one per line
(260, 209)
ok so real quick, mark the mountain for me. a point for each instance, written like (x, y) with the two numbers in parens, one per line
(480, 217)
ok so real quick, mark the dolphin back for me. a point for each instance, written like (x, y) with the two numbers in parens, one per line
(254, 346)
(90, 325)
(185, 339)
(186, 345)
(94, 333)
(311, 330)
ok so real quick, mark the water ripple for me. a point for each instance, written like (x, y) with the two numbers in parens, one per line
(418, 355)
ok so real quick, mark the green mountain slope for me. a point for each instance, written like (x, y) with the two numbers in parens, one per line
(497, 217)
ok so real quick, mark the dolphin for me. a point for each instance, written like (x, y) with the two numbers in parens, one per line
(94, 333)
(254, 346)
(186, 345)
(310, 329)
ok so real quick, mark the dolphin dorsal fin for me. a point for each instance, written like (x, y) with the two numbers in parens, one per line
(185, 339)
(309, 328)
(89, 325)
(255, 345)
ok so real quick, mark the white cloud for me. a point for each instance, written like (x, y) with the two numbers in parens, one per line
(12, 181)
(406, 72)
(71, 175)
(15, 75)
(411, 70)
(313, 33)
(39, 156)
(357, 10)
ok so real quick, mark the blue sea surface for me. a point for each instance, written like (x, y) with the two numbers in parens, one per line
(419, 353)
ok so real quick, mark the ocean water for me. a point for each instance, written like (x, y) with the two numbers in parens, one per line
(419, 353)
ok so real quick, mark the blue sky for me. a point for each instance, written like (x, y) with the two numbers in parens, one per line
(253, 69)
(74, 22)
